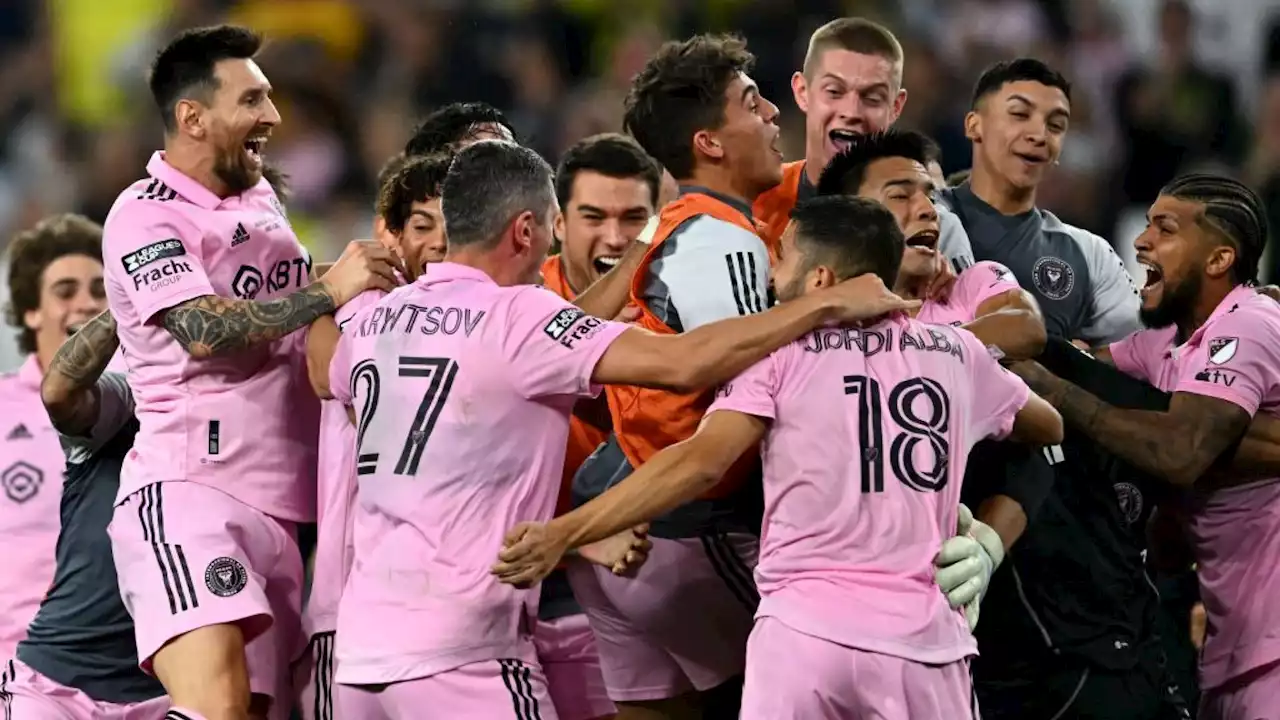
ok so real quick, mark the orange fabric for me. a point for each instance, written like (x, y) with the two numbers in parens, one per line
(584, 437)
(773, 208)
(644, 420)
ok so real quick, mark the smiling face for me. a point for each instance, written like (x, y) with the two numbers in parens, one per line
(905, 187)
(237, 122)
(1017, 131)
(747, 140)
(602, 218)
(843, 94)
(71, 294)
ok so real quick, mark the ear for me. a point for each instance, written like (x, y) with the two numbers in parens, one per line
(522, 232)
(822, 277)
(32, 319)
(190, 116)
(800, 90)
(558, 227)
(899, 103)
(1220, 261)
(973, 127)
(706, 143)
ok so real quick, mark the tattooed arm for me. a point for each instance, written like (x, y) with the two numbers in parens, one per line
(1179, 445)
(69, 389)
(209, 325)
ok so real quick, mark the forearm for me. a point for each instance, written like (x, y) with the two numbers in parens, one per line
(607, 296)
(209, 326)
(322, 341)
(69, 389)
(1156, 442)
(717, 352)
(1018, 333)
(1004, 515)
(670, 479)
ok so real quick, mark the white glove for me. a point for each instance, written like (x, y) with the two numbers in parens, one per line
(966, 562)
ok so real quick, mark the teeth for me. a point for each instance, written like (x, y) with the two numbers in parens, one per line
(609, 261)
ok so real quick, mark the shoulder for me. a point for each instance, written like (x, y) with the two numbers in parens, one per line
(707, 232)
(1257, 317)
(785, 191)
(8, 381)
(366, 299)
(1093, 246)
(147, 202)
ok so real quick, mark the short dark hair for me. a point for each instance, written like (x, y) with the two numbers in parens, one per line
(185, 67)
(1231, 210)
(34, 250)
(680, 91)
(846, 171)
(390, 168)
(452, 124)
(488, 185)
(852, 235)
(1021, 69)
(857, 35)
(612, 155)
(418, 180)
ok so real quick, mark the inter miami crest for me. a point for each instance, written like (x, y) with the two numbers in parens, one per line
(1130, 499)
(21, 481)
(225, 577)
(1222, 349)
(1053, 277)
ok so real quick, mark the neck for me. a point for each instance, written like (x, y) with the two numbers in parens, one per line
(1001, 195)
(1209, 300)
(577, 278)
(195, 164)
(720, 179)
(44, 357)
(813, 164)
(912, 287)
(488, 262)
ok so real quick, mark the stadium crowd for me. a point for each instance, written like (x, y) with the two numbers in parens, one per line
(670, 427)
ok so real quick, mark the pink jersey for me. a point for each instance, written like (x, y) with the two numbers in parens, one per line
(1234, 356)
(863, 465)
(336, 497)
(975, 285)
(463, 391)
(245, 423)
(31, 466)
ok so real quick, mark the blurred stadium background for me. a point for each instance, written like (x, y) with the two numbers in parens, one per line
(1160, 87)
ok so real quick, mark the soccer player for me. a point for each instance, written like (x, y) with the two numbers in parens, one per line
(851, 84)
(679, 629)
(1213, 343)
(608, 189)
(208, 283)
(494, 366)
(850, 622)
(79, 659)
(457, 125)
(55, 285)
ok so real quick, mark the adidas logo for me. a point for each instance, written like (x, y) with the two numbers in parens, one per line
(239, 236)
(20, 432)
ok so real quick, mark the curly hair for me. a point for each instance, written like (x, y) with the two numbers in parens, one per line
(680, 91)
(847, 170)
(417, 180)
(32, 251)
(452, 124)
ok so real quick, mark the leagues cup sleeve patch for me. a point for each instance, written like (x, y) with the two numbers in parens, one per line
(155, 251)
(225, 577)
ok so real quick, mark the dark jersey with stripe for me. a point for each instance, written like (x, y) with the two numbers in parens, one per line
(1074, 584)
(83, 637)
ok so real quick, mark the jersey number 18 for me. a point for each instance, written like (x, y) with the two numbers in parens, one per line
(927, 427)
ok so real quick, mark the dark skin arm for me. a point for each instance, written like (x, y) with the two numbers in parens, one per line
(1179, 445)
(69, 389)
(209, 326)
(1004, 515)
(1012, 322)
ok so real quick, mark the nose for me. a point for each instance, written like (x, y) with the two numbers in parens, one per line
(769, 111)
(1036, 131)
(612, 237)
(88, 304)
(924, 208)
(1143, 243)
(270, 115)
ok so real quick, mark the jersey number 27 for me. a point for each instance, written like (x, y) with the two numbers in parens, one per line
(435, 375)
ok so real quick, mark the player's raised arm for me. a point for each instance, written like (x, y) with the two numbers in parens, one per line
(69, 389)
(717, 351)
(209, 325)
(1008, 318)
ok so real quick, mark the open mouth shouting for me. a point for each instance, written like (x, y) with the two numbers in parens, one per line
(1154, 280)
(925, 239)
(253, 146)
(604, 264)
(842, 138)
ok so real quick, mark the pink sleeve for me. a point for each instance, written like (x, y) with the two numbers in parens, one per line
(552, 346)
(998, 394)
(368, 298)
(340, 370)
(1129, 353)
(752, 392)
(983, 281)
(154, 255)
(1235, 361)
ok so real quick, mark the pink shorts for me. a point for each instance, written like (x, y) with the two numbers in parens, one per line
(492, 689)
(791, 675)
(313, 677)
(567, 652)
(1256, 696)
(189, 556)
(680, 625)
(28, 695)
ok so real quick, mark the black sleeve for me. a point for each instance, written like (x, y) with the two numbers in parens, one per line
(1098, 378)
(1007, 468)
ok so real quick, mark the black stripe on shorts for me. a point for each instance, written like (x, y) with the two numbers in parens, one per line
(518, 679)
(731, 570)
(172, 561)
